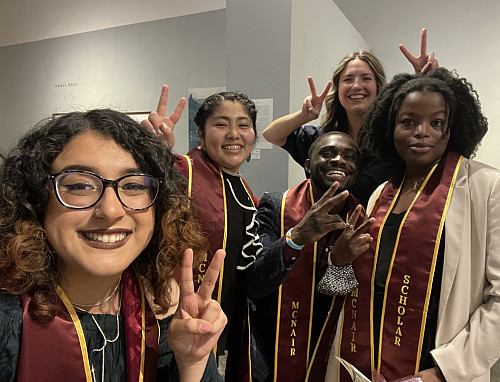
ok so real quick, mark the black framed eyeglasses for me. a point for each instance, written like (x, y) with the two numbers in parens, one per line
(78, 189)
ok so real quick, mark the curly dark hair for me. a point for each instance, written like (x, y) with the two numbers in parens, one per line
(28, 264)
(212, 102)
(466, 123)
(336, 117)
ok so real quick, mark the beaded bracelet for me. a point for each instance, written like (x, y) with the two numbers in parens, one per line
(289, 241)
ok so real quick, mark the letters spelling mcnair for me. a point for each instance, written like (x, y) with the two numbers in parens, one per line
(403, 297)
(202, 268)
(293, 325)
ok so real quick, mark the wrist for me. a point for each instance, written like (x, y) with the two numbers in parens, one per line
(303, 117)
(191, 370)
(291, 242)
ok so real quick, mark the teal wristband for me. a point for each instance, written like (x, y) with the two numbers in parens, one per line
(289, 241)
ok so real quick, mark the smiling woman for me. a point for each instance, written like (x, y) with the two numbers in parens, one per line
(433, 264)
(227, 135)
(93, 227)
(226, 129)
(356, 80)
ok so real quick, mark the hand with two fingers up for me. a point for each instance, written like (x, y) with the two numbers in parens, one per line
(311, 107)
(160, 124)
(322, 218)
(198, 321)
(353, 241)
(425, 62)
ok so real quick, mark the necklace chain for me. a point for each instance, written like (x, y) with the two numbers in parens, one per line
(106, 341)
(415, 183)
(77, 304)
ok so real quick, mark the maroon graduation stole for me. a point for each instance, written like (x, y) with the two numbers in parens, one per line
(57, 352)
(210, 198)
(295, 359)
(409, 280)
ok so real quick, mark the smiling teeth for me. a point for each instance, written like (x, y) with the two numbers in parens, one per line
(336, 172)
(357, 96)
(234, 147)
(105, 238)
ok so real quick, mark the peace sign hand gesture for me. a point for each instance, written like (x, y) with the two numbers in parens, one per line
(198, 321)
(160, 124)
(352, 242)
(311, 107)
(425, 62)
(321, 217)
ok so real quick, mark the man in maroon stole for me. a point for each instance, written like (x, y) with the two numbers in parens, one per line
(292, 326)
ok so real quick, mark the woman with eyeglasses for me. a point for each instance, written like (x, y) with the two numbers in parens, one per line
(94, 231)
(227, 129)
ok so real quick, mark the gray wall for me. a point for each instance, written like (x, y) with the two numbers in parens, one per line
(462, 33)
(258, 63)
(125, 67)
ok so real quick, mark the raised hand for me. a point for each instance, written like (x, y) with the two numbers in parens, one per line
(198, 321)
(425, 62)
(160, 124)
(312, 105)
(352, 242)
(322, 218)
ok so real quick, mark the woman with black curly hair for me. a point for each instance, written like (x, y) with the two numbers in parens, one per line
(428, 303)
(227, 131)
(85, 269)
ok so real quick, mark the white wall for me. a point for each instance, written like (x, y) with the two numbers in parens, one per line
(122, 68)
(321, 37)
(463, 34)
(27, 20)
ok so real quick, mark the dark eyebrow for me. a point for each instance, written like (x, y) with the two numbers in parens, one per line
(228, 118)
(125, 171)
(361, 74)
(412, 113)
(337, 148)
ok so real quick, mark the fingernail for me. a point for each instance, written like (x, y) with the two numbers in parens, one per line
(205, 328)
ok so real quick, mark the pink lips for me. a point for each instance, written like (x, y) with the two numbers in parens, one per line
(420, 148)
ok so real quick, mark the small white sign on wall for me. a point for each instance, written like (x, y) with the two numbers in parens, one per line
(264, 118)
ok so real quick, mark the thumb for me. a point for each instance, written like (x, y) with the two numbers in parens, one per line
(194, 326)
(169, 138)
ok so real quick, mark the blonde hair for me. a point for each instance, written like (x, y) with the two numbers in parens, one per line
(336, 117)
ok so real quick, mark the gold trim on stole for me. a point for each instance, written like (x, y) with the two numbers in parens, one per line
(280, 290)
(313, 284)
(79, 331)
(431, 276)
(190, 174)
(248, 307)
(325, 324)
(436, 249)
(143, 330)
(278, 314)
(81, 336)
